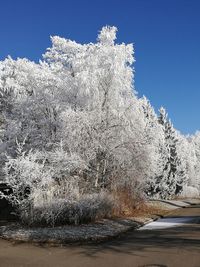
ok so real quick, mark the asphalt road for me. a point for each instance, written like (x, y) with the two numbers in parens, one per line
(172, 242)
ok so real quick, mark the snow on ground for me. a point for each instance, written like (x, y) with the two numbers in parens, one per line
(167, 223)
(92, 232)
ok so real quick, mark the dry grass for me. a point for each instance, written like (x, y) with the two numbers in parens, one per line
(148, 211)
(131, 205)
(143, 210)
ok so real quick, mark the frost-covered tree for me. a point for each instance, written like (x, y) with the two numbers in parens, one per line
(111, 135)
(195, 157)
(79, 110)
(159, 153)
(187, 153)
(174, 176)
(73, 131)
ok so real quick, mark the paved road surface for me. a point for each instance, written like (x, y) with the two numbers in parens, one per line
(172, 242)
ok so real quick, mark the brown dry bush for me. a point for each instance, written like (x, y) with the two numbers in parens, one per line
(129, 202)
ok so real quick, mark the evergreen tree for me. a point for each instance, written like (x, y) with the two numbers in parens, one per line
(173, 177)
(155, 184)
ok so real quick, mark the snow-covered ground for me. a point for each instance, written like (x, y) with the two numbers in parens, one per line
(167, 223)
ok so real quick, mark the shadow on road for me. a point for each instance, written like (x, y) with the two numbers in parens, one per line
(184, 237)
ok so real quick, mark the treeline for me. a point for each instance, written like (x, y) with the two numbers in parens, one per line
(75, 140)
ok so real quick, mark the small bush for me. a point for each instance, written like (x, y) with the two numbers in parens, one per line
(128, 198)
(40, 199)
(85, 209)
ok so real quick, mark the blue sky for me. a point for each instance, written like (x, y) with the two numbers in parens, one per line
(165, 33)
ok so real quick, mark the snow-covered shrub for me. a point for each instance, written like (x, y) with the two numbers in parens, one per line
(25, 174)
(60, 211)
(41, 199)
(96, 206)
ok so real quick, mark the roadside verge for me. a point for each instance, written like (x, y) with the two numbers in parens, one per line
(89, 233)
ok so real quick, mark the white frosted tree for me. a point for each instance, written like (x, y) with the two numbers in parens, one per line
(195, 144)
(78, 108)
(112, 133)
(174, 176)
(159, 153)
(83, 128)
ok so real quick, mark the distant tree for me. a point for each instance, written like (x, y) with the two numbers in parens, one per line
(154, 130)
(174, 176)
(195, 145)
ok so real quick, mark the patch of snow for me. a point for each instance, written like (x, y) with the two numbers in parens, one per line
(167, 223)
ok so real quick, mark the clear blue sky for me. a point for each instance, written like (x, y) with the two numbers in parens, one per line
(165, 33)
